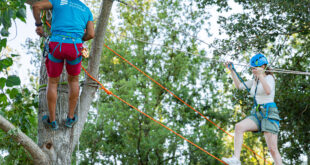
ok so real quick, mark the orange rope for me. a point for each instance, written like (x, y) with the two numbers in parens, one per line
(102, 87)
(110, 93)
(183, 101)
(47, 23)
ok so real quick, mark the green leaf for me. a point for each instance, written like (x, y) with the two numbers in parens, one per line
(3, 98)
(21, 14)
(2, 82)
(5, 63)
(14, 55)
(2, 43)
(12, 81)
(6, 19)
(5, 32)
(13, 93)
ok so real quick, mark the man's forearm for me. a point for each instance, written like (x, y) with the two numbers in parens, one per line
(36, 13)
(87, 37)
(38, 6)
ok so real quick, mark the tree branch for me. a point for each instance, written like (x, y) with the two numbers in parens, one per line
(35, 151)
(30, 2)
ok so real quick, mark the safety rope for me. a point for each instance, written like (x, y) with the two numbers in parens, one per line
(110, 93)
(275, 70)
(181, 100)
(247, 88)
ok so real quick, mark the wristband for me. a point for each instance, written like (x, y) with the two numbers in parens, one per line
(39, 24)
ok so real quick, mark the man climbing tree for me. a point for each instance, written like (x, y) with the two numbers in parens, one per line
(71, 26)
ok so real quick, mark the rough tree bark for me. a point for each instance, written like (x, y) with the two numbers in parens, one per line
(56, 147)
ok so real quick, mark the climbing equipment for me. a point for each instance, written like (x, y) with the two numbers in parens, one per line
(267, 107)
(46, 47)
(258, 60)
(85, 52)
(267, 117)
(65, 38)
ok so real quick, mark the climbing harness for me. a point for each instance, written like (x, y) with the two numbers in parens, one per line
(266, 116)
(65, 38)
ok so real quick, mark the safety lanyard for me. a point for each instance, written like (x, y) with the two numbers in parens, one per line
(233, 68)
(255, 103)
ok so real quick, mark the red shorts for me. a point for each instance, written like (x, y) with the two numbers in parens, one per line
(68, 52)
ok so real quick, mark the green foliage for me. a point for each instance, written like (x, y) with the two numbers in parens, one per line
(10, 10)
(17, 104)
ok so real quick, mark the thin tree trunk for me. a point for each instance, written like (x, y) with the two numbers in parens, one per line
(88, 91)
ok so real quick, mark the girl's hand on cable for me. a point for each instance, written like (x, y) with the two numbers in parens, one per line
(258, 71)
(228, 65)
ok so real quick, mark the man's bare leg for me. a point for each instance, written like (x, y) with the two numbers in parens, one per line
(74, 90)
(51, 95)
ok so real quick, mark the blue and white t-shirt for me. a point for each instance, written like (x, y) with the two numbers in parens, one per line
(70, 16)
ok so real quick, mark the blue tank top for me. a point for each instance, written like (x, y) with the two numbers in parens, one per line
(70, 16)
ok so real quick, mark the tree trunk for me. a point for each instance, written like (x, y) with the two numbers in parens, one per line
(60, 144)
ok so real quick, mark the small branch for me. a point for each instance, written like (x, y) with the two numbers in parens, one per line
(304, 110)
(39, 157)
(30, 2)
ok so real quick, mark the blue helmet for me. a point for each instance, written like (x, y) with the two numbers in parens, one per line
(258, 60)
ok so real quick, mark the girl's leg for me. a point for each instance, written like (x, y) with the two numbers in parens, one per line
(241, 127)
(272, 143)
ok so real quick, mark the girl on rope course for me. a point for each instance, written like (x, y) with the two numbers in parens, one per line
(264, 115)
